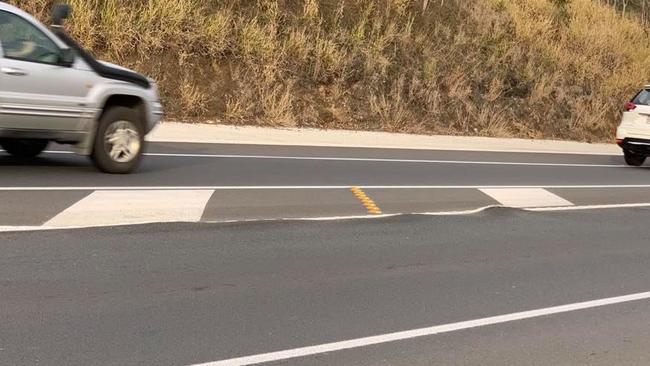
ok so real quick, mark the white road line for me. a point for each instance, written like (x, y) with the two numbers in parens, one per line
(133, 207)
(242, 188)
(382, 160)
(526, 197)
(389, 160)
(8, 229)
(459, 213)
(466, 147)
(588, 207)
(332, 218)
(422, 332)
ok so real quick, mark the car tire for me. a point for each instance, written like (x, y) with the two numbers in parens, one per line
(24, 148)
(633, 159)
(119, 141)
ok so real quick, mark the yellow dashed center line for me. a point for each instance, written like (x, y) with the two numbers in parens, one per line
(367, 202)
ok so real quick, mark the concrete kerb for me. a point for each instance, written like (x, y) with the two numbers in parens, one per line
(206, 133)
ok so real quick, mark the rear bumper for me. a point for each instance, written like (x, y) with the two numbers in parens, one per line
(635, 145)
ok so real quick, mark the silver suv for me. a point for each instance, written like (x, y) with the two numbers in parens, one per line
(51, 89)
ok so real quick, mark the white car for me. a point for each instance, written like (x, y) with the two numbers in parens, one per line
(633, 134)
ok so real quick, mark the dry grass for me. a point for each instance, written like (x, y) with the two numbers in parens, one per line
(527, 68)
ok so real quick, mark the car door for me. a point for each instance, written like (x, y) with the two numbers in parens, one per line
(36, 91)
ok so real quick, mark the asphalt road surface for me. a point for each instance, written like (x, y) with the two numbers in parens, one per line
(184, 294)
(496, 287)
(190, 165)
(213, 183)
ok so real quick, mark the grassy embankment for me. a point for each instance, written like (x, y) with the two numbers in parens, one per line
(526, 68)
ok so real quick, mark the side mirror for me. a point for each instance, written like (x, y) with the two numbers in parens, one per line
(67, 57)
(60, 13)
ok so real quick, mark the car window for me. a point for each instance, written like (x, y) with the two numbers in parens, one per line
(643, 98)
(21, 40)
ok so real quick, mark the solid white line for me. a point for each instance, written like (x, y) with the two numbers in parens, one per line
(323, 218)
(535, 209)
(243, 188)
(423, 332)
(588, 207)
(329, 218)
(8, 229)
(388, 160)
(166, 188)
(382, 160)
(459, 213)
(466, 147)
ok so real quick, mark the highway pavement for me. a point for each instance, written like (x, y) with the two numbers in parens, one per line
(518, 259)
(221, 182)
(191, 165)
(187, 294)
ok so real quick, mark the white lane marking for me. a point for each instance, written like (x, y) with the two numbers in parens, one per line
(459, 213)
(382, 160)
(438, 213)
(337, 218)
(133, 207)
(332, 218)
(9, 229)
(389, 160)
(526, 197)
(423, 332)
(323, 218)
(588, 207)
(465, 147)
(243, 188)
(6, 229)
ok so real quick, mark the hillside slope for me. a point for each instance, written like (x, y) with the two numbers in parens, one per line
(526, 68)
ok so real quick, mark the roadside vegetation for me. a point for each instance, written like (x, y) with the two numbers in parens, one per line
(525, 68)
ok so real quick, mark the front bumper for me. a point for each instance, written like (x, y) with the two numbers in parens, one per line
(156, 113)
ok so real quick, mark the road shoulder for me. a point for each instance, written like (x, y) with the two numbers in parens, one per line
(204, 133)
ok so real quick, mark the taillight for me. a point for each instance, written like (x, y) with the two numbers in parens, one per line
(629, 106)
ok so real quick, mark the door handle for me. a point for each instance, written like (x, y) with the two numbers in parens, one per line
(13, 71)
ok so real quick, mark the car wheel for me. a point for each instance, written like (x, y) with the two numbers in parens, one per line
(24, 148)
(119, 141)
(633, 159)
